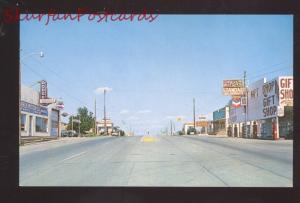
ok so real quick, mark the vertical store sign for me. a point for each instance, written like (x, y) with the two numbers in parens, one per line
(43, 90)
(270, 98)
(286, 92)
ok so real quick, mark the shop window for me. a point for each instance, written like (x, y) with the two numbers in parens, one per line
(23, 122)
(41, 124)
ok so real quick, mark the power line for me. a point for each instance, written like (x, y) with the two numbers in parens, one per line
(263, 68)
(64, 79)
(71, 96)
(277, 70)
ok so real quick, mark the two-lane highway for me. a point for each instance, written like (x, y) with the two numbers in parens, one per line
(206, 161)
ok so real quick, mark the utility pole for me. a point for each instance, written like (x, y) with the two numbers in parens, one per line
(245, 107)
(79, 125)
(72, 123)
(174, 130)
(194, 113)
(105, 127)
(171, 127)
(95, 130)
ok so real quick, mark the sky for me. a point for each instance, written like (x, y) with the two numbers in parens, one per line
(154, 70)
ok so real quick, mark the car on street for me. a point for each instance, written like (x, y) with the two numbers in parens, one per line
(73, 133)
(64, 133)
(191, 131)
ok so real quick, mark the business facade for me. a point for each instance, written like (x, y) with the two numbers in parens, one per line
(200, 126)
(269, 112)
(105, 127)
(37, 120)
(220, 120)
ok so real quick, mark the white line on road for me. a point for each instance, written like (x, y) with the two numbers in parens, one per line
(71, 157)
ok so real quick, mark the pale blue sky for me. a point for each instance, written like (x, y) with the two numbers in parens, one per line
(155, 69)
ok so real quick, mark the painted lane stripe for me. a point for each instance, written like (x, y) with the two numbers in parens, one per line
(73, 156)
(148, 139)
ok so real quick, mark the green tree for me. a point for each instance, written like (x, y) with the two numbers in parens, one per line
(86, 118)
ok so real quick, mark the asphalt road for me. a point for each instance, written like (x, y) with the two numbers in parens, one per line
(197, 161)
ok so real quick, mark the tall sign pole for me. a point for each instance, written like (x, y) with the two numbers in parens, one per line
(79, 125)
(95, 118)
(194, 113)
(105, 127)
(245, 107)
(171, 128)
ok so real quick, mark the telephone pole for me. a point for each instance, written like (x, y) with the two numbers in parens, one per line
(171, 127)
(105, 127)
(194, 113)
(79, 125)
(95, 118)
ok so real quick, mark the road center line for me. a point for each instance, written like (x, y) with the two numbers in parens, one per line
(73, 156)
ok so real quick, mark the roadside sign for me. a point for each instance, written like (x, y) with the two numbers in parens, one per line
(76, 121)
(202, 117)
(235, 91)
(60, 105)
(47, 101)
(43, 89)
(35, 109)
(178, 119)
(233, 87)
(243, 101)
(236, 102)
(233, 83)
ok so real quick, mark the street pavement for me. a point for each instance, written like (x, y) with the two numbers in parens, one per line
(196, 161)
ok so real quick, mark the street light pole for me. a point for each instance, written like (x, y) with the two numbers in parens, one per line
(20, 79)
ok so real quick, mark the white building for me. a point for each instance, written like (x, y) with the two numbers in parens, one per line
(269, 110)
(105, 127)
(36, 119)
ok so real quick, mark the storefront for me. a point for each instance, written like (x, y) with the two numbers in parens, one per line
(37, 120)
(220, 120)
(105, 127)
(33, 119)
(269, 112)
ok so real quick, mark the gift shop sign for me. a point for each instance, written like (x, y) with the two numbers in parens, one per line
(286, 91)
(270, 99)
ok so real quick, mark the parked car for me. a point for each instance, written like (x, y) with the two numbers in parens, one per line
(73, 133)
(64, 133)
(191, 131)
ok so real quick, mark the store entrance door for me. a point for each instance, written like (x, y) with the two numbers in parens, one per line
(235, 131)
(254, 130)
(30, 126)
